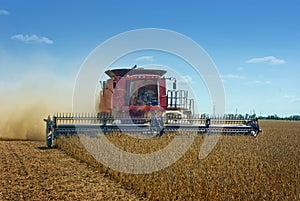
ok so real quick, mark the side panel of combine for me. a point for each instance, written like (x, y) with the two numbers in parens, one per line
(163, 99)
(105, 105)
(119, 90)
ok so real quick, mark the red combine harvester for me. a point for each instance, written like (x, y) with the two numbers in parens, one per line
(137, 101)
(142, 92)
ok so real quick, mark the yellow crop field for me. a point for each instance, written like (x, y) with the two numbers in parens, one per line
(239, 167)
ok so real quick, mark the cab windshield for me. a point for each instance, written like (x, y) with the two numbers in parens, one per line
(143, 92)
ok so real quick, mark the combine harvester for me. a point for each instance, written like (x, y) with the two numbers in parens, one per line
(137, 101)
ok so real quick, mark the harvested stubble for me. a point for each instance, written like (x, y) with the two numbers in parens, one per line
(238, 168)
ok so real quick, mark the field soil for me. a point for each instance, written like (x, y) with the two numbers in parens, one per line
(30, 171)
(239, 168)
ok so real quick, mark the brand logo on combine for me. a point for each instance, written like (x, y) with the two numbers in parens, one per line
(142, 102)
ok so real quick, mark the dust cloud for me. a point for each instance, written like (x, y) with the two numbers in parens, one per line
(26, 102)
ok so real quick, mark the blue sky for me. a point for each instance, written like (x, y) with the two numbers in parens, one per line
(254, 44)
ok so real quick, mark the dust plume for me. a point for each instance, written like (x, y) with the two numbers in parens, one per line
(26, 102)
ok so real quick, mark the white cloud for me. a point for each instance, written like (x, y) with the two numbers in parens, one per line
(292, 98)
(31, 39)
(232, 76)
(262, 82)
(145, 58)
(289, 96)
(185, 79)
(4, 12)
(267, 60)
(259, 82)
(295, 100)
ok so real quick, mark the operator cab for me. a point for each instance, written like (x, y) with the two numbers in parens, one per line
(143, 92)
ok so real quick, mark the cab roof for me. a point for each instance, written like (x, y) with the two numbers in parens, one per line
(135, 71)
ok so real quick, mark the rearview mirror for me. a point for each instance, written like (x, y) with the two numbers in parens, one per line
(174, 84)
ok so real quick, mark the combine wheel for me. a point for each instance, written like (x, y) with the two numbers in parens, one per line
(253, 133)
(49, 138)
(49, 132)
(255, 127)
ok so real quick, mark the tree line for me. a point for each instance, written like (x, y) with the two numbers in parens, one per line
(276, 117)
(251, 116)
